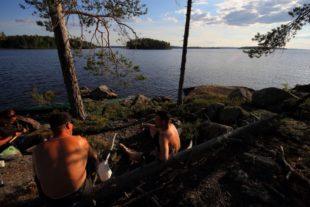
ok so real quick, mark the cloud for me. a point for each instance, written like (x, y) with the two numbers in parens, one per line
(200, 2)
(243, 13)
(170, 18)
(25, 21)
(141, 20)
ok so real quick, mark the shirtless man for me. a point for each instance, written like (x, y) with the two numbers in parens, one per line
(166, 139)
(60, 164)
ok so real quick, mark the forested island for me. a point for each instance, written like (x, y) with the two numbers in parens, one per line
(37, 42)
(147, 43)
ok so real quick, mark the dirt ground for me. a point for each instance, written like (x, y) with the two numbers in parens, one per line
(246, 171)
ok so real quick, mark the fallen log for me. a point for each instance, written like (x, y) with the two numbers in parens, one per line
(131, 179)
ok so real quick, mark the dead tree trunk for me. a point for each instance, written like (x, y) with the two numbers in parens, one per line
(131, 179)
(66, 59)
(184, 52)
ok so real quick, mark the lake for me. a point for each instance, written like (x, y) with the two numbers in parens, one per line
(21, 70)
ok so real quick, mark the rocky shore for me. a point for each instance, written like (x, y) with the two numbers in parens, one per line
(267, 164)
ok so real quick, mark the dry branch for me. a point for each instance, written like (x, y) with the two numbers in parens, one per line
(292, 170)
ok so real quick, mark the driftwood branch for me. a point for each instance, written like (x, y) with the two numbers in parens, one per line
(131, 179)
(292, 170)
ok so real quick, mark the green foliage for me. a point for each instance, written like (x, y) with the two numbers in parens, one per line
(104, 60)
(147, 43)
(38, 42)
(190, 130)
(44, 98)
(2, 36)
(278, 37)
(140, 77)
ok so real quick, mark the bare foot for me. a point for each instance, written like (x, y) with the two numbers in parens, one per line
(132, 154)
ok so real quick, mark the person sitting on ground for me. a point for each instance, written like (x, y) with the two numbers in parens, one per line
(64, 164)
(12, 126)
(165, 136)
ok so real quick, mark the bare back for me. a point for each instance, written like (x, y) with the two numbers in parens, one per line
(60, 165)
(172, 136)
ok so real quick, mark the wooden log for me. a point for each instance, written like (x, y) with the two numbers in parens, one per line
(131, 179)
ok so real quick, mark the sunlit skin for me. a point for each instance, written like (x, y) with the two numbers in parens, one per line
(60, 163)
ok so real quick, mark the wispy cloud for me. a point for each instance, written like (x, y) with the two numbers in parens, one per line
(170, 18)
(25, 21)
(200, 2)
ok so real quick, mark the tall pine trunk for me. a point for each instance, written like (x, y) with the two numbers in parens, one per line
(184, 52)
(66, 59)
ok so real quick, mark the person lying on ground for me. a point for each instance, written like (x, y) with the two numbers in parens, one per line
(13, 126)
(165, 136)
(64, 165)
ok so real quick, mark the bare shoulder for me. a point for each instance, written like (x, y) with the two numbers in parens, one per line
(82, 140)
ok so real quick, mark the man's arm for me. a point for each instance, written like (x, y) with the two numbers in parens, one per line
(5, 140)
(164, 149)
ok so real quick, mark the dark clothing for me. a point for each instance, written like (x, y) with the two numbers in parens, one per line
(156, 141)
(149, 156)
(78, 199)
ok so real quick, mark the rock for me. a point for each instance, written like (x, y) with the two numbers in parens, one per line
(102, 92)
(293, 130)
(128, 101)
(270, 98)
(262, 114)
(232, 114)
(141, 101)
(241, 94)
(209, 130)
(210, 91)
(213, 110)
(161, 99)
(302, 88)
(85, 91)
(304, 109)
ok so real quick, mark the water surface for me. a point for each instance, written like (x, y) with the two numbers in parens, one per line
(20, 70)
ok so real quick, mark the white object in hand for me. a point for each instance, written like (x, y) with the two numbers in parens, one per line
(104, 170)
(2, 163)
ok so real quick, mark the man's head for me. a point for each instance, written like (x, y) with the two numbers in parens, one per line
(162, 120)
(61, 122)
(9, 116)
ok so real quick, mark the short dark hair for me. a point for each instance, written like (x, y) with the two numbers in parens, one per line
(163, 115)
(58, 120)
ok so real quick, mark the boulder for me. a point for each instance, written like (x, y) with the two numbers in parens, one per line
(128, 101)
(270, 98)
(210, 91)
(102, 92)
(213, 110)
(209, 130)
(161, 99)
(302, 88)
(301, 91)
(141, 101)
(232, 114)
(241, 94)
(85, 91)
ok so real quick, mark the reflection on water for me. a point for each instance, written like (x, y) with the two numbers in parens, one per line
(20, 70)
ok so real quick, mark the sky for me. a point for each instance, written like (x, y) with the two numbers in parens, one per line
(214, 23)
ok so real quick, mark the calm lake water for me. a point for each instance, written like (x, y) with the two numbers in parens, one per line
(20, 70)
